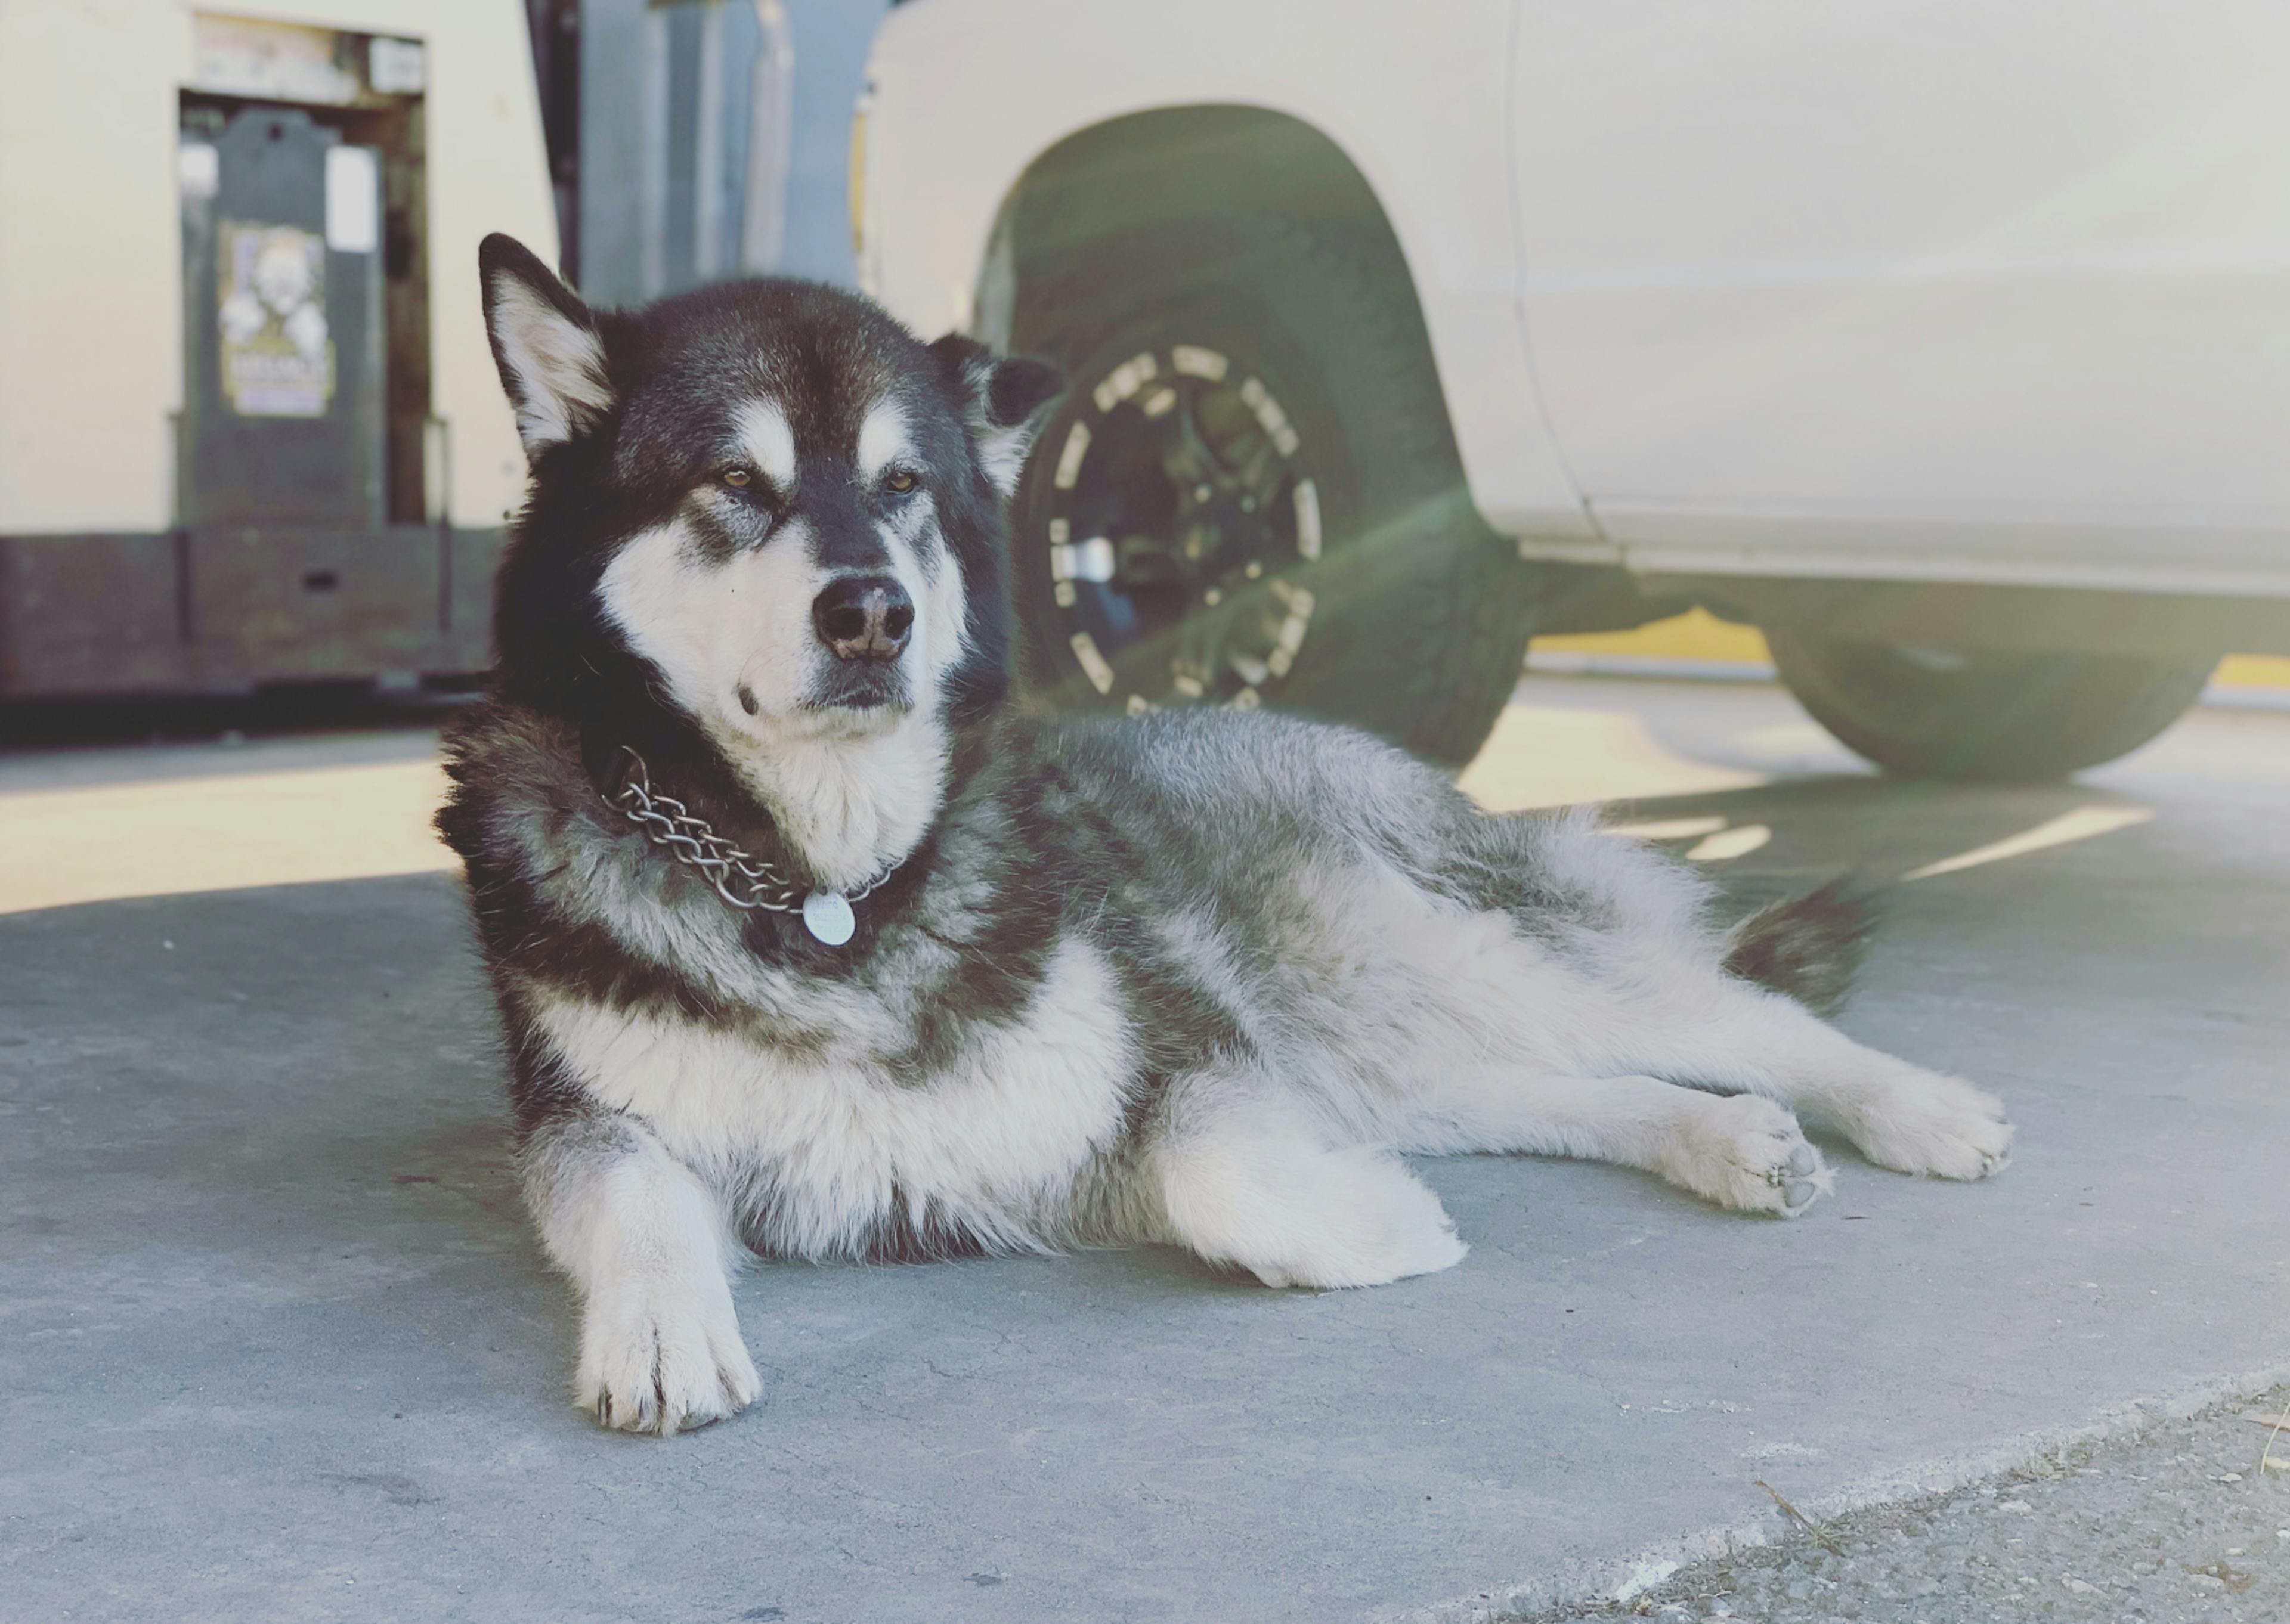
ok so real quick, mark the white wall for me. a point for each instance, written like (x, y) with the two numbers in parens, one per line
(91, 347)
(90, 295)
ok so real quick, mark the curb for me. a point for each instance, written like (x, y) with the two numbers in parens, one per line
(1591, 1584)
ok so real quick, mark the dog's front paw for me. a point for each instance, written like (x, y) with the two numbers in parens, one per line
(1933, 1124)
(1745, 1153)
(663, 1355)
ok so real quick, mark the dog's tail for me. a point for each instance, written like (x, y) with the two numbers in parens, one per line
(1807, 947)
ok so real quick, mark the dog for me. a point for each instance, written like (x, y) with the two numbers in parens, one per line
(808, 941)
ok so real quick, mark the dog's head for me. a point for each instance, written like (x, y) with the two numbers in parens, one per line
(763, 504)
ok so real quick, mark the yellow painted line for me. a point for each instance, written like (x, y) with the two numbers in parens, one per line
(1697, 635)
(2081, 824)
(170, 837)
(1702, 636)
(2253, 671)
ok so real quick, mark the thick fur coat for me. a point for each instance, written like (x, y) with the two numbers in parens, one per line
(1193, 978)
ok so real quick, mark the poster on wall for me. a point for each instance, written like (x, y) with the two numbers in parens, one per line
(278, 356)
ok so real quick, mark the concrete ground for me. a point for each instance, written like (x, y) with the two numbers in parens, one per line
(274, 1343)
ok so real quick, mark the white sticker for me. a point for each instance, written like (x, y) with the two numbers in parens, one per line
(397, 67)
(353, 200)
(199, 170)
(278, 358)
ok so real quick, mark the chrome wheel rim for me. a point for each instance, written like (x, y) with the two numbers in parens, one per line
(1181, 521)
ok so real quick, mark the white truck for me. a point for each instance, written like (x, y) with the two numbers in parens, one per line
(1947, 341)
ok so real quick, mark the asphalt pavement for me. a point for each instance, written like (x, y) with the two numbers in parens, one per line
(2182, 1522)
(275, 1343)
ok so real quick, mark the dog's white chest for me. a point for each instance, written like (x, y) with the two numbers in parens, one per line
(1009, 1120)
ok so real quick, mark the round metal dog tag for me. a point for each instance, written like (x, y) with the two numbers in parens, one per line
(827, 914)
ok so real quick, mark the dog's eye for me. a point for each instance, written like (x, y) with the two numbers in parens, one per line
(901, 482)
(737, 478)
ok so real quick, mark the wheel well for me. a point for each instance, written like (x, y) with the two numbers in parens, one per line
(1160, 168)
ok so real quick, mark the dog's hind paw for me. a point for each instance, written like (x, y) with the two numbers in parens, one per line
(1382, 1225)
(1930, 1123)
(664, 1356)
(1293, 1213)
(1746, 1153)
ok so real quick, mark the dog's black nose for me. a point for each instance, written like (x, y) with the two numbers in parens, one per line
(865, 617)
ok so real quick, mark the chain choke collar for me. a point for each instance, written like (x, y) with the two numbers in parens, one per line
(743, 880)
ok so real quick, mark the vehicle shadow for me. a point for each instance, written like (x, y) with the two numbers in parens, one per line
(1879, 830)
(287, 1102)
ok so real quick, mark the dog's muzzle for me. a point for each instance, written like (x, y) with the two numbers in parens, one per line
(865, 618)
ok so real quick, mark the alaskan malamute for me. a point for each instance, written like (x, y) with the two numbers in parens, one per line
(806, 943)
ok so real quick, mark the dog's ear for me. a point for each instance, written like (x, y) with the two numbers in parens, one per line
(546, 344)
(1004, 401)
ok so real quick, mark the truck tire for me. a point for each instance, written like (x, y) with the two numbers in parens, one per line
(1251, 496)
(1983, 715)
